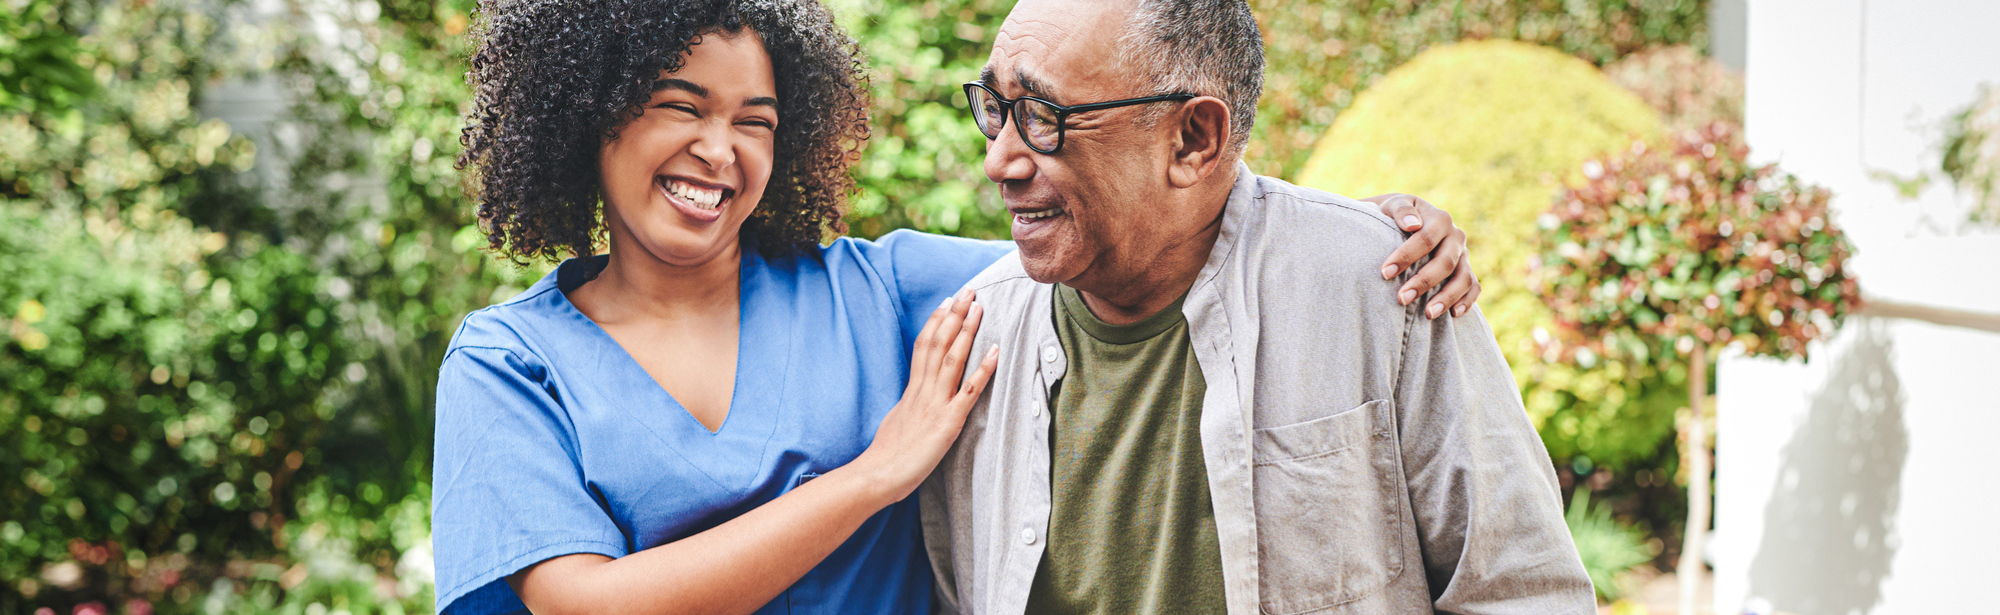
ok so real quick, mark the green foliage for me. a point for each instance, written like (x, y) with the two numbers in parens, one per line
(186, 367)
(136, 143)
(1608, 548)
(39, 65)
(1972, 155)
(385, 215)
(1664, 249)
(149, 407)
(159, 382)
(922, 166)
(1489, 129)
(1322, 53)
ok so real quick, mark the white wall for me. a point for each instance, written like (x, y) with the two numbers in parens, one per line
(1858, 482)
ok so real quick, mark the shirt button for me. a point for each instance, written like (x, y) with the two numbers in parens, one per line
(1027, 536)
(1034, 411)
(1049, 354)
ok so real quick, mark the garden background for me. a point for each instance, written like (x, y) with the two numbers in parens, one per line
(233, 249)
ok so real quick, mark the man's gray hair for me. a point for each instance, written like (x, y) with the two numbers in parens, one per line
(1205, 47)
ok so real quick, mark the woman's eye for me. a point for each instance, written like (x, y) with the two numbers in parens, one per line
(681, 107)
(759, 122)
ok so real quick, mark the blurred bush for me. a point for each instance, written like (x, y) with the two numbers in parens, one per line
(1972, 155)
(39, 65)
(922, 167)
(1491, 129)
(1662, 249)
(1321, 54)
(1689, 90)
(161, 384)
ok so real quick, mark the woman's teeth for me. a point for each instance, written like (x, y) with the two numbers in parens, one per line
(704, 198)
(1037, 215)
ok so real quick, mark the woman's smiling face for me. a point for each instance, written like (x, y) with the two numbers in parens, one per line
(681, 178)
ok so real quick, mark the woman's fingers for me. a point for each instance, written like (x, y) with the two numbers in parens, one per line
(1404, 209)
(940, 343)
(1471, 296)
(1427, 224)
(961, 402)
(977, 383)
(1452, 296)
(923, 353)
(1443, 262)
(953, 367)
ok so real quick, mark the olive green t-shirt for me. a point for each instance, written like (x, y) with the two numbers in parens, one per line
(1131, 529)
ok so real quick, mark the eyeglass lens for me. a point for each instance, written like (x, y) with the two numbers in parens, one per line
(1036, 121)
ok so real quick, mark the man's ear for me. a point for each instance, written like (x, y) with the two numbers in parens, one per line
(1201, 137)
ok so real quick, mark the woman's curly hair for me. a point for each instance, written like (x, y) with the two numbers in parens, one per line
(554, 79)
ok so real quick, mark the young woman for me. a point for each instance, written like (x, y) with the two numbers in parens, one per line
(721, 414)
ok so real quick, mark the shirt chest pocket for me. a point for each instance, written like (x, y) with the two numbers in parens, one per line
(1330, 509)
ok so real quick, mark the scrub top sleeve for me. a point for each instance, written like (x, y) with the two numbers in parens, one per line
(928, 268)
(508, 489)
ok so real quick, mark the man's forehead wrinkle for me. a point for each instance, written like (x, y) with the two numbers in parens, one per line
(1045, 34)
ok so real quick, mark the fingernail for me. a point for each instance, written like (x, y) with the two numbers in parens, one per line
(1389, 271)
(994, 352)
(1458, 311)
(1408, 295)
(965, 293)
(947, 303)
(1434, 310)
(1409, 221)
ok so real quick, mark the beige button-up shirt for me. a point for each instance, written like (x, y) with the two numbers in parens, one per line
(1361, 458)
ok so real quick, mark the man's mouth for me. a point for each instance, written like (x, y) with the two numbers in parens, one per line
(703, 198)
(1031, 216)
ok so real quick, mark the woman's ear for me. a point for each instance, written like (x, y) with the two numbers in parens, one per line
(1201, 138)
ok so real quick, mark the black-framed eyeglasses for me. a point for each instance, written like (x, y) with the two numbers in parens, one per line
(1040, 122)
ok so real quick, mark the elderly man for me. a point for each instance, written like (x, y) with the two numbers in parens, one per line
(1209, 399)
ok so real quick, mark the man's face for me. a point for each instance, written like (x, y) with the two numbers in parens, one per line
(1079, 212)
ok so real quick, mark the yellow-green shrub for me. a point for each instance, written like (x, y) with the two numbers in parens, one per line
(1489, 130)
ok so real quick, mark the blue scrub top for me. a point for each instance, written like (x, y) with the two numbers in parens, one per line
(552, 441)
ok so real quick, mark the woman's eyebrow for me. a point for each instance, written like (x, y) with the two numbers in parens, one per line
(696, 89)
(680, 84)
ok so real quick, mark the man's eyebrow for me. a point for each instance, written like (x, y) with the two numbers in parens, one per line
(680, 84)
(1033, 84)
(1025, 77)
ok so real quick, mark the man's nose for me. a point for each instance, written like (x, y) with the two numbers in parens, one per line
(1008, 157)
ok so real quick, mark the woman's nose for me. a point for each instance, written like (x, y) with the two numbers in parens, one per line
(714, 145)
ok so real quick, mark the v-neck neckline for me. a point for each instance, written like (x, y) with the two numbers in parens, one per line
(762, 347)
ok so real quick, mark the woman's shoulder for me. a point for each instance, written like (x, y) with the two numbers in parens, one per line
(909, 241)
(511, 325)
(911, 255)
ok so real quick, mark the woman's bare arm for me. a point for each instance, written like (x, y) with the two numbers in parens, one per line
(744, 563)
